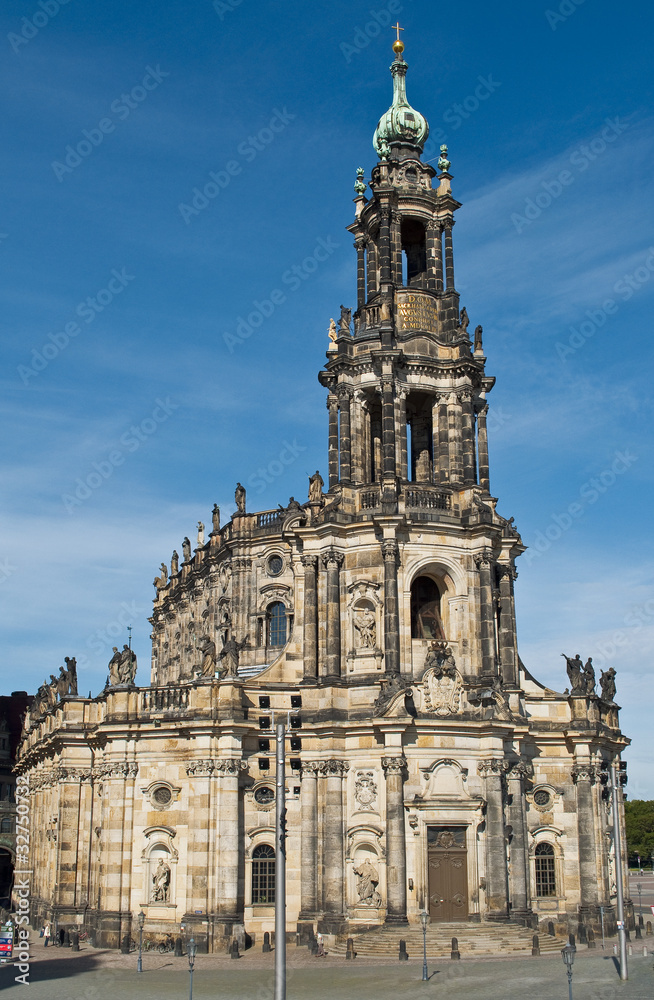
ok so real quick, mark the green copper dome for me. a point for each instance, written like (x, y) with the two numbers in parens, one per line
(401, 123)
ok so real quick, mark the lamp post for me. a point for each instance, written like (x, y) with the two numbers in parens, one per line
(424, 920)
(140, 920)
(616, 789)
(191, 950)
(568, 955)
(280, 862)
(639, 889)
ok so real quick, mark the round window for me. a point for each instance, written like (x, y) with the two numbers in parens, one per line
(541, 797)
(264, 796)
(162, 795)
(275, 565)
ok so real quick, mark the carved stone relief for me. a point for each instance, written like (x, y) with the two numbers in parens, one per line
(365, 789)
(442, 684)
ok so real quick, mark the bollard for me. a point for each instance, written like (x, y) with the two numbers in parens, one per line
(550, 928)
(590, 935)
(571, 939)
(615, 949)
(266, 942)
(535, 946)
(404, 955)
(179, 947)
(644, 952)
(74, 940)
(648, 928)
(350, 953)
(641, 920)
(582, 934)
(639, 933)
(233, 950)
(455, 954)
(124, 945)
(630, 950)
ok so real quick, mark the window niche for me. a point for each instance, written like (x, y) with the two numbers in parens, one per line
(159, 858)
(365, 619)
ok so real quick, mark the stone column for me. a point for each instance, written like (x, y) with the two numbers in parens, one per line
(199, 860)
(309, 849)
(371, 269)
(402, 464)
(358, 438)
(438, 257)
(396, 248)
(449, 258)
(468, 434)
(443, 444)
(360, 246)
(385, 247)
(390, 552)
(394, 769)
(332, 561)
(454, 427)
(482, 448)
(344, 396)
(228, 861)
(310, 651)
(519, 893)
(434, 263)
(497, 905)
(333, 852)
(583, 775)
(483, 561)
(388, 427)
(332, 406)
(507, 635)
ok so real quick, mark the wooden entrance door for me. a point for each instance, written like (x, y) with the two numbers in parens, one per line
(448, 873)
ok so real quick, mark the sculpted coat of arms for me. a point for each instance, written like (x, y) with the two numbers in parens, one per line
(441, 682)
(365, 789)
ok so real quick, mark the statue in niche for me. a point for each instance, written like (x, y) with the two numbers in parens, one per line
(200, 534)
(463, 320)
(230, 652)
(239, 497)
(215, 518)
(441, 681)
(114, 666)
(208, 649)
(367, 882)
(161, 581)
(316, 484)
(366, 626)
(186, 549)
(478, 332)
(127, 665)
(607, 684)
(161, 882)
(575, 670)
(365, 789)
(589, 677)
(346, 319)
(174, 563)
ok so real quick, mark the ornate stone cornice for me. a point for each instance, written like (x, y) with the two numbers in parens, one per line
(73, 773)
(311, 768)
(115, 769)
(393, 765)
(519, 769)
(200, 768)
(230, 767)
(332, 768)
(309, 562)
(390, 549)
(332, 556)
(495, 765)
(584, 772)
(484, 558)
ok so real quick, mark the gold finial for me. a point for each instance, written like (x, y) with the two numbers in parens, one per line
(398, 46)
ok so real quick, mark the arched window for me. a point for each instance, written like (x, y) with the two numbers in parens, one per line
(263, 875)
(276, 624)
(545, 870)
(425, 610)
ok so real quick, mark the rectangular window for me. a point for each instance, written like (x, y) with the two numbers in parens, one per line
(263, 882)
(545, 876)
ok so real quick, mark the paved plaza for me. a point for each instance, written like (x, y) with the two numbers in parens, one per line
(58, 974)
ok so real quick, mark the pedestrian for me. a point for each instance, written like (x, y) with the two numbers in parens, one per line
(46, 934)
(321, 946)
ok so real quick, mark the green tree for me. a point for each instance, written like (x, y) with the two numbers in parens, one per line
(639, 821)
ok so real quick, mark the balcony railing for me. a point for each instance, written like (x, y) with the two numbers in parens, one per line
(427, 499)
(164, 699)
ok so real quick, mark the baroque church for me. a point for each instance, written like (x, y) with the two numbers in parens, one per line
(427, 768)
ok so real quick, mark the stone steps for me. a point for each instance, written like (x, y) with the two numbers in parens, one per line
(473, 940)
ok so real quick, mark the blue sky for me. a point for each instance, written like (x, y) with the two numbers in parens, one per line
(122, 296)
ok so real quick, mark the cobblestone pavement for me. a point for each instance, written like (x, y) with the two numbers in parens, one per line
(58, 974)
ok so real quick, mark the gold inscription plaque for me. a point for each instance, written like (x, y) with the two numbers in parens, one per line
(416, 312)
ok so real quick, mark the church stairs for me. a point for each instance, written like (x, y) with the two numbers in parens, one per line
(475, 940)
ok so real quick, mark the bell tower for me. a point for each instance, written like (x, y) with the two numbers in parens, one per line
(407, 385)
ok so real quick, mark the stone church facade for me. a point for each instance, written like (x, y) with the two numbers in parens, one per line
(427, 768)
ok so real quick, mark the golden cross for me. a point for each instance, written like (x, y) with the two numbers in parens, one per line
(396, 27)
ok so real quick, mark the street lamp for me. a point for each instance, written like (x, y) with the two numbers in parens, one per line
(639, 888)
(424, 920)
(140, 920)
(568, 955)
(191, 951)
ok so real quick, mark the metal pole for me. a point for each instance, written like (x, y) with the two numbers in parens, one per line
(425, 971)
(280, 864)
(569, 984)
(139, 964)
(639, 887)
(601, 909)
(617, 845)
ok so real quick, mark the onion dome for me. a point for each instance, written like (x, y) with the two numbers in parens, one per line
(401, 124)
